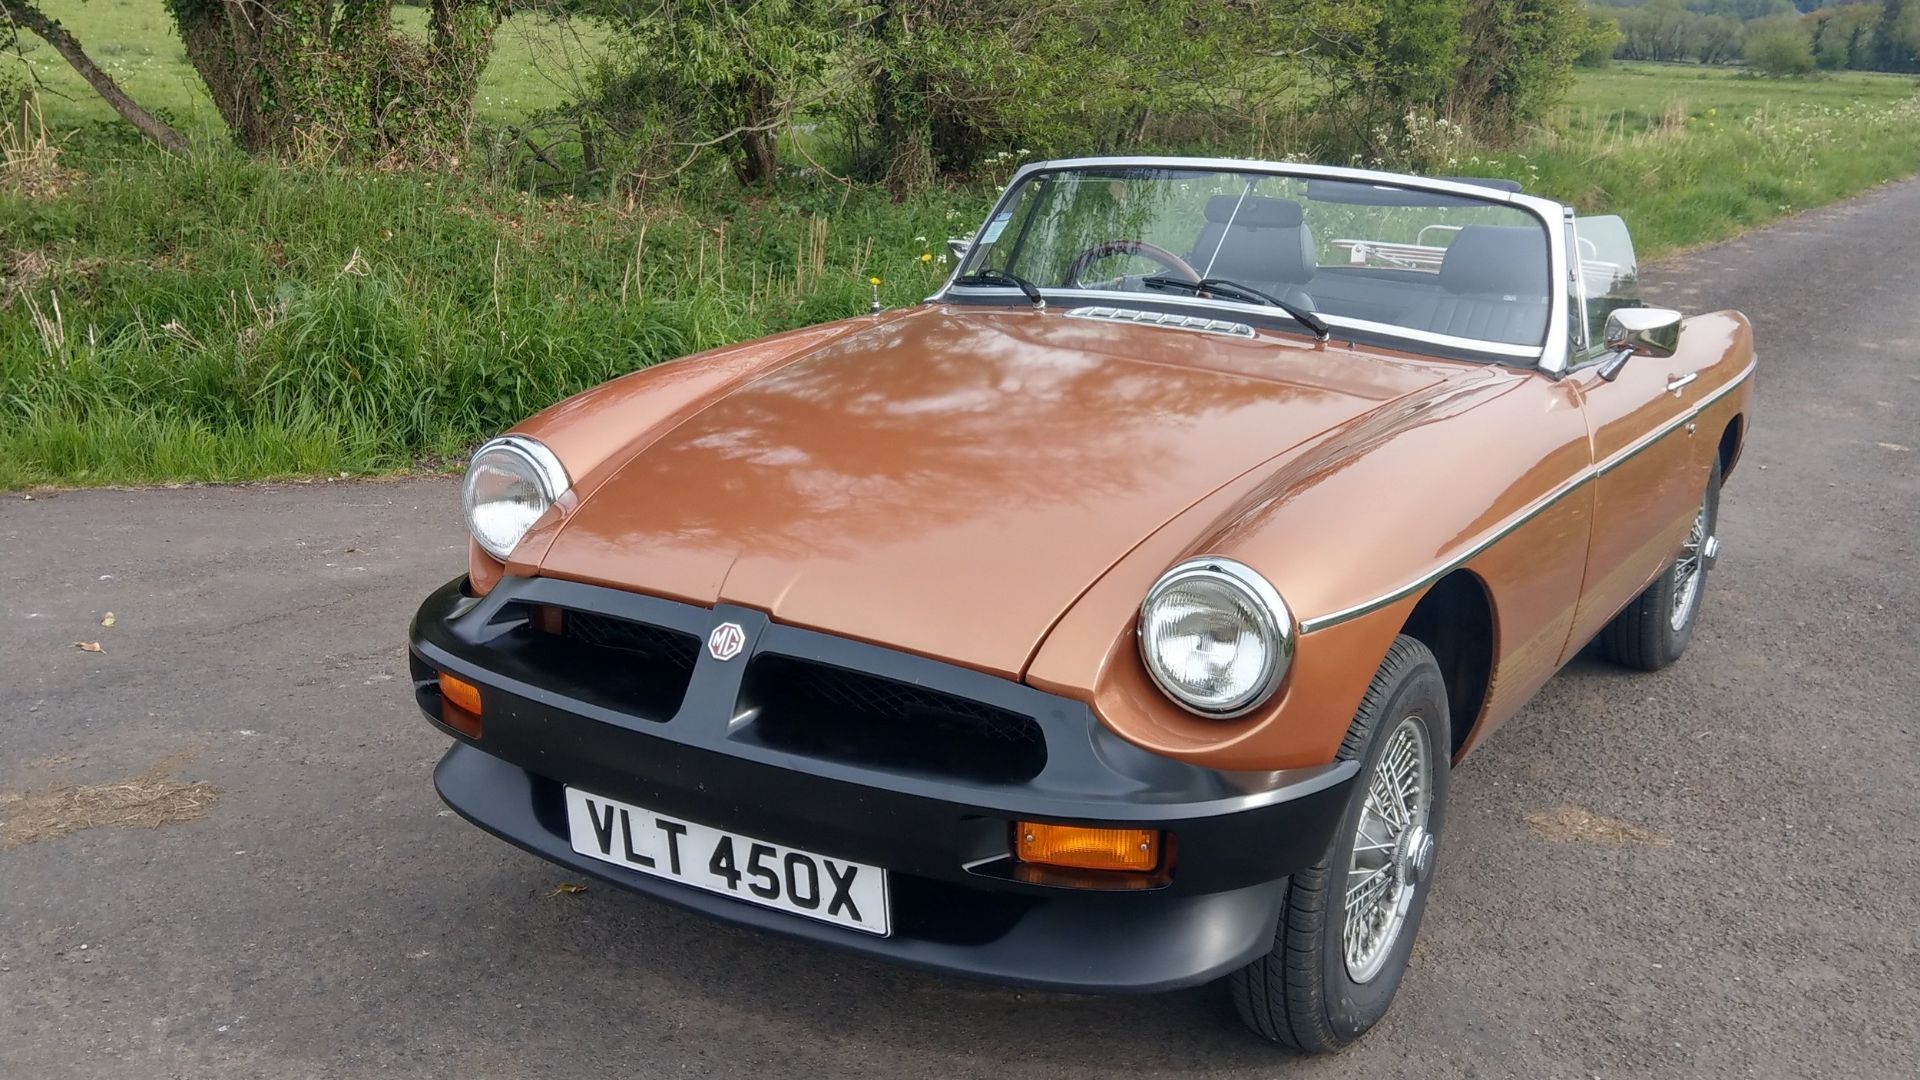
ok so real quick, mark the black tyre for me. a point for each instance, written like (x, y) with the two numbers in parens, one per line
(1657, 627)
(1336, 964)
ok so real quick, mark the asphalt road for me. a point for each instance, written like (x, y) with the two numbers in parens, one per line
(1746, 908)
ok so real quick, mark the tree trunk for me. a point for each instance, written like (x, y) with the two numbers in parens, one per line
(462, 44)
(758, 160)
(333, 80)
(909, 155)
(222, 43)
(24, 14)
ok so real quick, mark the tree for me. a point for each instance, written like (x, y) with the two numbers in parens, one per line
(1603, 37)
(1897, 37)
(27, 16)
(1418, 44)
(1667, 30)
(689, 75)
(1716, 39)
(1519, 62)
(1843, 35)
(1778, 49)
(950, 82)
(334, 78)
(1744, 10)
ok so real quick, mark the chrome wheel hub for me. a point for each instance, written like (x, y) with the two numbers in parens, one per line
(1392, 850)
(1413, 856)
(1688, 568)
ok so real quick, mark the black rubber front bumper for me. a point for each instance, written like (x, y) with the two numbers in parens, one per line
(960, 904)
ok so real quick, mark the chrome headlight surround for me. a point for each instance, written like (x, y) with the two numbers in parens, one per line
(511, 481)
(1232, 596)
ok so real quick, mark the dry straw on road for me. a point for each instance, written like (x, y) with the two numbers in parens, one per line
(1573, 825)
(146, 802)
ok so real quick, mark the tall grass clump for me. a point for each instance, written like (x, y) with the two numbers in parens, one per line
(227, 319)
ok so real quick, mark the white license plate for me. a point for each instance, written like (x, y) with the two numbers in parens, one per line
(832, 890)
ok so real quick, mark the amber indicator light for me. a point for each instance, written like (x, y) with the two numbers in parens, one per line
(1086, 849)
(460, 705)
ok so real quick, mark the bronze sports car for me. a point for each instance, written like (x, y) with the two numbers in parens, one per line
(1112, 620)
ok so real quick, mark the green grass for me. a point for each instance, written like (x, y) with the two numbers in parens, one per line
(1639, 95)
(224, 319)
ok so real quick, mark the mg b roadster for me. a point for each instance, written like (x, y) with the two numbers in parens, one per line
(1112, 620)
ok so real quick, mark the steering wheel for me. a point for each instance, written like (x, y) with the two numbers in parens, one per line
(1172, 263)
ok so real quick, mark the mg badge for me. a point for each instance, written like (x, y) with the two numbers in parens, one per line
(726, 641)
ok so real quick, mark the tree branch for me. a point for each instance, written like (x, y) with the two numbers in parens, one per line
(25, 15)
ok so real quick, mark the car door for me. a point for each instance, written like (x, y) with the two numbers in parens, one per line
(1647, 479)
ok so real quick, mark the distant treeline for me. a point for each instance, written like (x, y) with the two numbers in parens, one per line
(1775, 36)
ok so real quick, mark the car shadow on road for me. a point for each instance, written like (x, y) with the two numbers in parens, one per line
(623, 952)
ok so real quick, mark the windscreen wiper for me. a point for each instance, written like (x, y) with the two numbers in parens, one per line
(1235, 290)
(1001, 277)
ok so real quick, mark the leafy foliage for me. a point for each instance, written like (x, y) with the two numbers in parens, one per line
(332, 78)
(1778, 51)
(1420, 50)
(1667, 30)
(951, 82)
(1843, 36)
(688, 75)
(1520, 61)
(1898, 36)
(1602, 38)
(1859, 35)
(1778, 46)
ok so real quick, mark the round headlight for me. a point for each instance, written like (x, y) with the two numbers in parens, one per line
(511, 481)
(1215, 636)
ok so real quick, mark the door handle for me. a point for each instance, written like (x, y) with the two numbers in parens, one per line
(1675, 382)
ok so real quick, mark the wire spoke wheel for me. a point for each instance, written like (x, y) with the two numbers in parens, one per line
(1686, 572)
(1392, 850)
(1348, 923)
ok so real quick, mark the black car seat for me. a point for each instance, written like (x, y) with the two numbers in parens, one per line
(1259, 241)
(1493, 287)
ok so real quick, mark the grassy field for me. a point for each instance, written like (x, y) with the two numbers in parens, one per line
(1640, 95)
(1690, 155)
(224, 319)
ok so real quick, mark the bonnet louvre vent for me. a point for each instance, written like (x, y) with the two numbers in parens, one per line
(1161, 318)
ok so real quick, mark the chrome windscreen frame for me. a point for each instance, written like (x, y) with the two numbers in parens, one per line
(1551, 357)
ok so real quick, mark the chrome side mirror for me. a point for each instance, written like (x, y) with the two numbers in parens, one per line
(959, 245)
(1639, 331)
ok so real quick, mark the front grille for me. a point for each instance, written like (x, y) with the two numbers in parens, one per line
(630, 667)
(669, 648)
(829, 712)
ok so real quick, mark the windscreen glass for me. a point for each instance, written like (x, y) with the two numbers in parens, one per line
(1400, 258)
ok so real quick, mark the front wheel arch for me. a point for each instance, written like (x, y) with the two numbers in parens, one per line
(1732, 441)
(1454, 620)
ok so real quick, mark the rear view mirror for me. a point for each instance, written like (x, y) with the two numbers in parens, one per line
(1639, 331)
(1649, 331)
(960, 245)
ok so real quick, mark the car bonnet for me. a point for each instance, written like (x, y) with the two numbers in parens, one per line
(948, 483)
